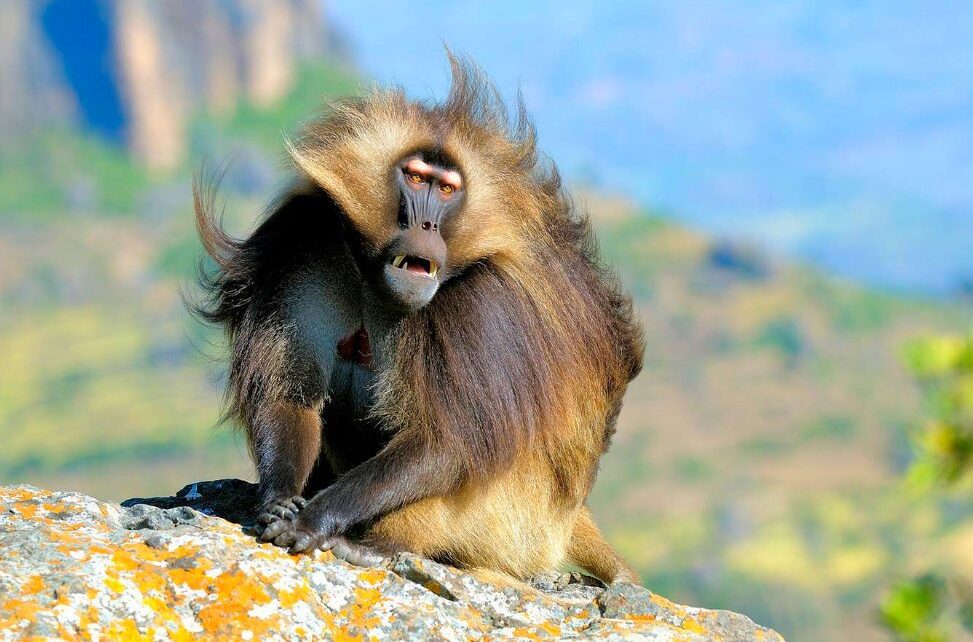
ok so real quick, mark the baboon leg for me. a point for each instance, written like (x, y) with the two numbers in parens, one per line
(589, 550)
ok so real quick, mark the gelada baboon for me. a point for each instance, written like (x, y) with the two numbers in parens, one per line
(426, 353)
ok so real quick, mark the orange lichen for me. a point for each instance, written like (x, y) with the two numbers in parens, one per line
(341, 635)
(664, 603)
(126, 630)
(156, 604)
(20, 494)
(358, 612)
(302, 593)
(358, 616)
(235, 593)
(114, 584)
(258, 595)
(522, 632)
(640, 617)
(551, 628)
(33, 586)
(543, 631)
(17, 611)
(25, 509)
(373, 575)
(693, 626)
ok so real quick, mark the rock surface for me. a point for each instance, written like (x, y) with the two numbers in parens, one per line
(187, 566)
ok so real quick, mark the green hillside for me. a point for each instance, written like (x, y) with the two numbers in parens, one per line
(757, 462)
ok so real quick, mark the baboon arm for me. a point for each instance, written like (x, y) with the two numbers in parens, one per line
(286, 440)
(398, 475)
(589, 550)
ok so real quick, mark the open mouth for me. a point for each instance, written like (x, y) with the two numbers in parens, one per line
(416, 265)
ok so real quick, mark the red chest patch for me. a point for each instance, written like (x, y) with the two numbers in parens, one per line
(356, 348)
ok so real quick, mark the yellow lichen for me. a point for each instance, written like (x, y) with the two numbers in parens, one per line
(126, 630)
(301, 593)
(17, 611)
(33, 586)
(114, 584)
(242, 601)
(693, 626)
(25, 509)
(358, 611)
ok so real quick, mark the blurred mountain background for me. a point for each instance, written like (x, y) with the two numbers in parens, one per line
(135, 72)
(732, 161)
(831, 130)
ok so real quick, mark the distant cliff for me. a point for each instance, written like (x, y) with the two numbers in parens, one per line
(134, 71)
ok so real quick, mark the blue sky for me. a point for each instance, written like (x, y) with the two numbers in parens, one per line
(841, 132)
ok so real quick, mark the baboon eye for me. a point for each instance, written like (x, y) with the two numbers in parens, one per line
(446, 189)
(416, 178)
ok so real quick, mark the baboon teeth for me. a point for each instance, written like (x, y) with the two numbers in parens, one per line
(427, 267)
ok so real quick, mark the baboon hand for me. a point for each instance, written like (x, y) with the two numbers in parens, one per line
(276, 517)
(315, 525)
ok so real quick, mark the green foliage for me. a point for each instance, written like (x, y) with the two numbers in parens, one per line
(944, 367)
(179, 257)
(631, 244)
(866, 312)
(783, 335)
(93, 384)
(692, 469)
(827, 427)
(929, 608)
(64, 171)
(765, 446)
(914, 610)
(267, 125)
(26, 192)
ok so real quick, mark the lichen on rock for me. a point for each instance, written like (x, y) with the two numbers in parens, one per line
(187, 567)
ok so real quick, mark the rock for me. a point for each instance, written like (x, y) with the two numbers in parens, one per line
(188, 566)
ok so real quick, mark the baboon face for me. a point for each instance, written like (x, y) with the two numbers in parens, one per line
(430, 193)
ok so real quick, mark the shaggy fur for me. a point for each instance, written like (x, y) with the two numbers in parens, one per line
(508, 383)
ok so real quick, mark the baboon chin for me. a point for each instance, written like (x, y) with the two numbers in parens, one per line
(426, 352)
